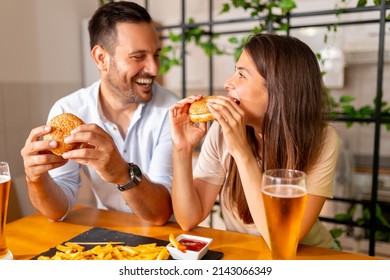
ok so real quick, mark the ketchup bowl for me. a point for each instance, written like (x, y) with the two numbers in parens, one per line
(197, 247)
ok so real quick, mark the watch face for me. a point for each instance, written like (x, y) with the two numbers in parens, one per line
(135, 178)
(137, 173)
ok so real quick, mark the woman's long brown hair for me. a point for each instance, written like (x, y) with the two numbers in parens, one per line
(296, 115)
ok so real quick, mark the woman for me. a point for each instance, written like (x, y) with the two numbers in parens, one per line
(281, 122)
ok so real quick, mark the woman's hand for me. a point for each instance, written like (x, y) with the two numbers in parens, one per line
(232, 120)
(185, 133)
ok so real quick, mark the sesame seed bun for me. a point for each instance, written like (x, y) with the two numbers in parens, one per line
(199, 112)
(62, 125)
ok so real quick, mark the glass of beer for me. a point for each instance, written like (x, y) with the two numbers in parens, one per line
(284, 194)
(5, 184)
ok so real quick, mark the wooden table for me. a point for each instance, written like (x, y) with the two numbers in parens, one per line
(32, 235)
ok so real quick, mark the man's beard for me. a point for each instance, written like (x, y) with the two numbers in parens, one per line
(126, 91)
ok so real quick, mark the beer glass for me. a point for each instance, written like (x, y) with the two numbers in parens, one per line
(284, 194)
(5, 184)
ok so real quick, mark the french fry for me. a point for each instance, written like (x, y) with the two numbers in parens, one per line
(163, 255)
(73, 251)
(176, 243)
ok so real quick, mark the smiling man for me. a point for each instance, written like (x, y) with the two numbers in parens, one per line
(128, 159)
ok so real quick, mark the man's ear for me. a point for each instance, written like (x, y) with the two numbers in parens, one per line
(101, 57)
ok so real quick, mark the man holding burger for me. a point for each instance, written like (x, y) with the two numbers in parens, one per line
(127, 147)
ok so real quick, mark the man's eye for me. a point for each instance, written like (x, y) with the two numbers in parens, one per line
(137, 57)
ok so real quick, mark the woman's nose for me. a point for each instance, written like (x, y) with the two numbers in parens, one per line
(228, 84)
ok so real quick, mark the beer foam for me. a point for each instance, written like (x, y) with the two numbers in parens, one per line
(4, 178)
(286, 191)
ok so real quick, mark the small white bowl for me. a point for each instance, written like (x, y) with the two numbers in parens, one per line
(189, 254)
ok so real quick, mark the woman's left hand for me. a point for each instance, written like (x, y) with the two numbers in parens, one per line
(232, 120)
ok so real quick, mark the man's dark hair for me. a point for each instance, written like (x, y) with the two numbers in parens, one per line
(102, 25)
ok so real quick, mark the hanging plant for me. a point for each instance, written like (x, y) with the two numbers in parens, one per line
(271, 12)
(343, 107)
(268, 13)
(351, 220)
(170, 55)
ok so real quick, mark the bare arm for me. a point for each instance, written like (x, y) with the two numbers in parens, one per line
(45, 195)
(148, 200)
(48, 198)
(192, 199)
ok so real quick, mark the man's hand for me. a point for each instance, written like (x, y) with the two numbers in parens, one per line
(36, 157)
(101, 153)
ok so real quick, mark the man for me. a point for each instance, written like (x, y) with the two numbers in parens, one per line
(129, 153)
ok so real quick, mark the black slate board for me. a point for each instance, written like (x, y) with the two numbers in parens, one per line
(97, 234)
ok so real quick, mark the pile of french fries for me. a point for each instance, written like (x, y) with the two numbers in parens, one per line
(74, 251)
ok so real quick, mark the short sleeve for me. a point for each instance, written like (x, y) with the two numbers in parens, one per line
(212, 163)
(320, 178)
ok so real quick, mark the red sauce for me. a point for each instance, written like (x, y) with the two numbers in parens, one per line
(193, 245)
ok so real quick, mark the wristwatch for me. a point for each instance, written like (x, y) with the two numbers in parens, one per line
(135, 178)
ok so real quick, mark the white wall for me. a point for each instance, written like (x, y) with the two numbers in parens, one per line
(41, 39)
(41, 62)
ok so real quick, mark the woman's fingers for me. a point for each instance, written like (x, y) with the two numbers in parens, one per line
(225, 109)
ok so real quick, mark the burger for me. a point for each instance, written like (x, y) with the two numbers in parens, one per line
(62, 125)
(199, 112)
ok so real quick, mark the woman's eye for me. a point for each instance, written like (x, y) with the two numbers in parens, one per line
(241, 75)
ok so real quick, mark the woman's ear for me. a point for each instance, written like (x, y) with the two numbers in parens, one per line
(101, 57)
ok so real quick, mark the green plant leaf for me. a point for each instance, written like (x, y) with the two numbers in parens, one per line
(361, 3)
(381, 236)
(284, 27)
(361, 222)
(207, 47)
(343, 217)
(166, 49)
(256, 30)
(225, 8)
(233, 40)
(173, 37)
(382, 220)
(336, 232)
(366, 111)
(349, 110)
(347, 99)
(287, 6)
(237, 53)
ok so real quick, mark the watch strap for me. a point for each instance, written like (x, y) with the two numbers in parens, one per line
(135, 178)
